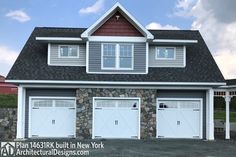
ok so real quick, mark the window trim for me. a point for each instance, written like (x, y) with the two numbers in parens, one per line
(165, 48)
(59, 51)
(117, 57)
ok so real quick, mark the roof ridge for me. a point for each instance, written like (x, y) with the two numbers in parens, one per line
(60, 27)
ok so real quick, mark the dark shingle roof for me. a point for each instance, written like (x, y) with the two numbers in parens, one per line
(231, 82)
(32, 61)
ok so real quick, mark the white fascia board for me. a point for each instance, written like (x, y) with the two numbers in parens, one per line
(175, 41)
(58, 39)
(118, 82)
(86, 33)
(116, 39)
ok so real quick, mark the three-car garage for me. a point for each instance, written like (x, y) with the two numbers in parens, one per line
(115, 117)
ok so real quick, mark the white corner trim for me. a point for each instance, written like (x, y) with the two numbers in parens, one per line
(49, 53)
(119, 82)
(210, 114)
(58, 39)
(86, 33)
(116, 39)
(184, 56)
(147, 57)
(21, 113)
(87, 56)
(174, 41)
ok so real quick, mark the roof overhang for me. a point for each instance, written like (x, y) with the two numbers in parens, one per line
(109, 13)
(116, 83)
(174, 41)
(59, 39)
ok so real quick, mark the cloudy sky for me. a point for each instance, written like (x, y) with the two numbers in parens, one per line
(216, 20)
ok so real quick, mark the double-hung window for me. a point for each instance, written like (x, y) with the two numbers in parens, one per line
(117, 56)
(165, 53)
(69, 51)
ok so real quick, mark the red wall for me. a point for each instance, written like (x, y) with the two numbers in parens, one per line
(6, 88)
(114, 27)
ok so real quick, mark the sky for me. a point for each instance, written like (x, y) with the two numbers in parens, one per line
(216, 21)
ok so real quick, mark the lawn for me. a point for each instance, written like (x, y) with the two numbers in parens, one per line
(8, 100)
(220, 114)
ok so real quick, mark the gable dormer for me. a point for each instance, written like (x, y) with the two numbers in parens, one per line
(117, 43)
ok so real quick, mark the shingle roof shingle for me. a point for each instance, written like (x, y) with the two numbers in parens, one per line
(32, 61)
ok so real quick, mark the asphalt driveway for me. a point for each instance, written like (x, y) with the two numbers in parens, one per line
(160, 148)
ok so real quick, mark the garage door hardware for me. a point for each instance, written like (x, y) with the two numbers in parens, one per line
(178, 122)
(196, 110)
(35, 135)
(116, 122)
(161, 136)
(35, 107)
(161, 109)
(53, 121)
(134, 109)
(134, 136)
(72, 108)
(97, 108)
(97, 136)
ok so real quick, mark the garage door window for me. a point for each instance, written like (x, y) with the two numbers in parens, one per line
(168, 104)
(64, 103)
(42, 103)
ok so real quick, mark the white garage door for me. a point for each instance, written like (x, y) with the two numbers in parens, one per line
(116, 118)
(52, 117)
(179, 118)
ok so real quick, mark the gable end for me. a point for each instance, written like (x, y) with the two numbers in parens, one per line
(117, 25)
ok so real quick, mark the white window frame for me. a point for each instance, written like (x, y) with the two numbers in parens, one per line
(181, 99)
(117, 56)
(118, 98)
(157, 58)
(47, 97)
(59, 51)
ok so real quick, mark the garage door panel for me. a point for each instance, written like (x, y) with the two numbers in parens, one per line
(52, 117)
(189, 123)
(115, 118)
(104, 122)
(165, 124)
(179, 118)
(42, 122)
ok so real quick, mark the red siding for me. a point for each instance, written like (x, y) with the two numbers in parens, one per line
(114, 27)
(6, 88)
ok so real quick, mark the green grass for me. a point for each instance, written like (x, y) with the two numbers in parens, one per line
(8, 101)
(220, 114)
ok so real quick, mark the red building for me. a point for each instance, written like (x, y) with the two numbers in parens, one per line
(6, 88)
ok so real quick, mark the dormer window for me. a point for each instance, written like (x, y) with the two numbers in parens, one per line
(68, 51)
(117, 56)
(165, 53)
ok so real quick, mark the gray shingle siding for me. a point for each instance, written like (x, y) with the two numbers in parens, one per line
(139, 58)
(55, 60)
(178, 62)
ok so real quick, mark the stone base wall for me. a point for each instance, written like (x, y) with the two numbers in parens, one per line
(85, 96)
(8, 120)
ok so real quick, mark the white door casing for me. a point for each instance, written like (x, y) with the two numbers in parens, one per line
(116, 117)
(179, 118)
(52, 117)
